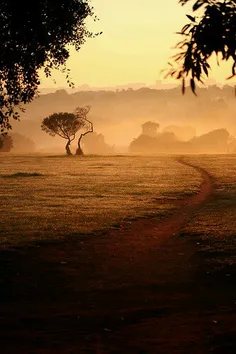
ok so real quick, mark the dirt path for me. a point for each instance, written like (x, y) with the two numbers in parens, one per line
(132, 291)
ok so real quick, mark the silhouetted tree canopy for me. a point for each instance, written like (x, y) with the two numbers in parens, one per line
(150, 128)
(215, 141)
(34, 35)
(212, 30)
(64, 125)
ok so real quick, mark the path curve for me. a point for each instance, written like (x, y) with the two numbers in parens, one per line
(156, 229)
(194, 202)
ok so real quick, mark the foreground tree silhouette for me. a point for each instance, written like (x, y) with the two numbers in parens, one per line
(64, 125)
(212, 32)
(35, 35)
(81, 115)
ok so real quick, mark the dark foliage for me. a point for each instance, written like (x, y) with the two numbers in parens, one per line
(212, 32)
(34, 35)
(64, 125)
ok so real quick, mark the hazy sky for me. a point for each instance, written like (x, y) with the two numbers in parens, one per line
(134, 47)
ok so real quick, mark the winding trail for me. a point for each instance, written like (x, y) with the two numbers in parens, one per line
(132, 291)
(173, 225)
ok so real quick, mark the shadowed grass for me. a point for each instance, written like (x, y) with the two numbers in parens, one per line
(22, 175)
(214, 227)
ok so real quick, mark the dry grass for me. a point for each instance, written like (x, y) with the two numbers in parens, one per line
(55, 197)
(214, 227)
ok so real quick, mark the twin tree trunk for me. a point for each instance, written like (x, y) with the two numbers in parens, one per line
(68, 152)
(79, 151)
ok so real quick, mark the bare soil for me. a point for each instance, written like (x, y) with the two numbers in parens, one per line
(144, 289)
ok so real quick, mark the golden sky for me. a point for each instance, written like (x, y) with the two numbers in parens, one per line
(134, 47)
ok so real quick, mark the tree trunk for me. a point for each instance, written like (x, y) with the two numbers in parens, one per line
(79, 151)
(68, 152)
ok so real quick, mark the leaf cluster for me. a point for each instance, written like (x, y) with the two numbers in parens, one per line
(213, 32)
(81, 113)
(35, 35)
(62, 124)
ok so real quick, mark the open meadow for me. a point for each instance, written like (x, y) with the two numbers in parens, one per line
(53, 197)
(129, 254)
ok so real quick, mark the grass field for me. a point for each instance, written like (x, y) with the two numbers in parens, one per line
(215, 225)
(45, 197)
(152, 285)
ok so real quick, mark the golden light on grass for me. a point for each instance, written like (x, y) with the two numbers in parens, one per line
(63, 196)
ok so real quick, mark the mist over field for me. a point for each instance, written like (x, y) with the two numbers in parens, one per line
(118, 177)
(119, 116)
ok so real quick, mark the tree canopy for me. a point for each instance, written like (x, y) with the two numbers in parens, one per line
(211, 30)
(64, 125)
(35, 35)
(150, 128)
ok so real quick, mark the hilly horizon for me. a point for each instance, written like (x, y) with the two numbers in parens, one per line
(118, 115)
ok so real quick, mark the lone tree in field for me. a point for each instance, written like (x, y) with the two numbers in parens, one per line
(213, 31)
(64, 125)
(35, 35)
(81, 115)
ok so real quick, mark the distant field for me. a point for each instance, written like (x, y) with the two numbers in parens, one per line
(45, 197)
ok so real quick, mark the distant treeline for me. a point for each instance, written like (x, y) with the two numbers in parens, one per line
(118, 115)
(213, 142)
(16, 143)
(145, 103)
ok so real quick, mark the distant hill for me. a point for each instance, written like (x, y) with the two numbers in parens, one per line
(119, 114)
(213, 142)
